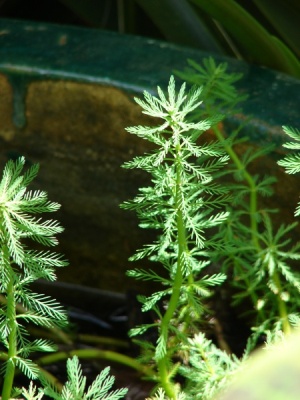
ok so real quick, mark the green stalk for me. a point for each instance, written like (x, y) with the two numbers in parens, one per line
(12, 342)
(252, 210)
(248, 178)
(96, 354)
(254, 230)
(286, 326)
(164, 362)
(69, 339)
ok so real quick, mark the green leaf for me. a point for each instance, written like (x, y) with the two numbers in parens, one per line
(292, 132)
(284, 17)
(28, 368)
(256, 42)
(75, 387)
(161, 346)
(32, 393)
(37, 345)
(179, 23)
(44, 306)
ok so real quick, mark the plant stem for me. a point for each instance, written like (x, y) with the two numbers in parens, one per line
(12, 342)
(69, 339)
(254, 230)
(97, 354)
(286, 327)
(250, 181)
(164, 362)
(110, 341)
(252, 211)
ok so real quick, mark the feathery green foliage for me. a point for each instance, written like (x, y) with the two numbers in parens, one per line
(205, 205)
(75, 387)
(190, 180)
(32, 393)
(209, 369)
(161, 395)
(20, 266)
(291, 162)
(248, 227)
(183, 202)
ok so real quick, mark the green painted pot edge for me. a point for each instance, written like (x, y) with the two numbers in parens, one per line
(31, 51)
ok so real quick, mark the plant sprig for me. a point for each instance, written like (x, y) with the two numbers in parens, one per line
(19, 266)
(291, 162)
(180, 203)
(247, 219)
(183, 202)
(75, 387)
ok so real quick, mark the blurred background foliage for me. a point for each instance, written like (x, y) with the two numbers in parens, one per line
(262, 32)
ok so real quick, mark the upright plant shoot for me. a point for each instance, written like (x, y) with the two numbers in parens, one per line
(20, 266)
(181, 204)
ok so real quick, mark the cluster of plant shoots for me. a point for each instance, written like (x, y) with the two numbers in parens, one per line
(206, 205)
(259, 257)
(19, 267)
